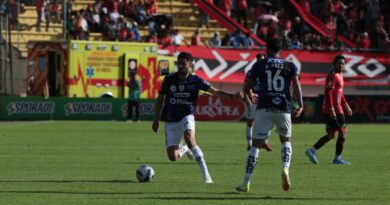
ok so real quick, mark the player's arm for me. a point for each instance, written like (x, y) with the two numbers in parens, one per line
(328, 94)
(298, 95)
(157, 110)
(346, 106)
(247, 90)
(223, 94)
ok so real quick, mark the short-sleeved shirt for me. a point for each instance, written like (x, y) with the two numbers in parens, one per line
(273, 76)
(334, 81)
(180, 96)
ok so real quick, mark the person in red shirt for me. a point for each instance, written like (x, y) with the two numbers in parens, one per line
(333, 109)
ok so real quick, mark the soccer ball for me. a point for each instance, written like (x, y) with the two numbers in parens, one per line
(145, 173)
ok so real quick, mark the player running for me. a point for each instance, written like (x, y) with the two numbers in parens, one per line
(177, 98)
(273, 109)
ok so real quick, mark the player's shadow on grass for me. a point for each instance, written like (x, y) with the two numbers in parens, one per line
(119, 181)
(231, 197)
(186, 161)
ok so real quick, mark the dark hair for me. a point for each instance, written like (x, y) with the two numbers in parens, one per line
(260, 56)
(338, 57)
(274, 44)
(185, 56)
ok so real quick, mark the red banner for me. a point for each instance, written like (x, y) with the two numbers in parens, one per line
(230, 65)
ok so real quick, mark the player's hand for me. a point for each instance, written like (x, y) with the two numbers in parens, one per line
(255, 98)
(349, 111)
(332, 114)
(297, 112)
(239, 96)
(155, 126)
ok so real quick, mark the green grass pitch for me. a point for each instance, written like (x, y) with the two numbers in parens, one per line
(87, 162)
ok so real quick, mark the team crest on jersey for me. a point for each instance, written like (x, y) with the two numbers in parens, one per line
(172, 88)
(276, 100)
(181, 88)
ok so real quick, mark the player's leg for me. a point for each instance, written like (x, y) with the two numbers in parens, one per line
(261, 129)
(284, 129)
(188, 126)
(331, 129)
(137, 104)
(340, 141)
(249, 128)
(129, 110)
(173, 137)
(248, 133)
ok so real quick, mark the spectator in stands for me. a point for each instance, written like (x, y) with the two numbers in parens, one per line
(195, 38)
(151, 7)
(136, 34)
(241, 12)
(204, 18)
(177, 38)
(247, 41)
(46, 13)
(55, 10)
(295, 44)
(39, 8)
(165, 40)
(363, 41)
(226, 6)
(215, 41)
(226, 40)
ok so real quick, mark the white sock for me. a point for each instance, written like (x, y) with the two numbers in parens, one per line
(198, 155)
(253, 154)
(286, 154)
(248, 135)
(182, 150)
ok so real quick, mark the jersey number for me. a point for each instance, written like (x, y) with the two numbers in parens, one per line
(275, 82)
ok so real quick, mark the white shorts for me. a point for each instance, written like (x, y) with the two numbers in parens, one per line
(174, 131)
(250, 112)
(265, 121)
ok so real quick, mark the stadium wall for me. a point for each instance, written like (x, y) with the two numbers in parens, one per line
(210, 108)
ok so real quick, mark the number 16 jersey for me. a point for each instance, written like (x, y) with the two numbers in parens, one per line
(273, 77)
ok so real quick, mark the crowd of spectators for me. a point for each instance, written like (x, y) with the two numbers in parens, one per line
(361, 21)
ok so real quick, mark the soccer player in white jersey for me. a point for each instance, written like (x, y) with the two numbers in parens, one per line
(273, 109)
(177, 98)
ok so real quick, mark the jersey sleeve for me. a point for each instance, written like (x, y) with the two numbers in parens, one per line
(164, 87)
(250, 75)
(203, 85)
(330, 81)
(294, 69)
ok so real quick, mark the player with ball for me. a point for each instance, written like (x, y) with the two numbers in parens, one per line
(177, 99)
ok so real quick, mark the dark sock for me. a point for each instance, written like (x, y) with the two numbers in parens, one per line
(340, 145)
(323, 140)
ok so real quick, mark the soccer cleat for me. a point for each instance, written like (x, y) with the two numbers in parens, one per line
(207, 179)
(312, 156)
(190, 155)
(340, 161)
(286, 184)
(243, 188)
